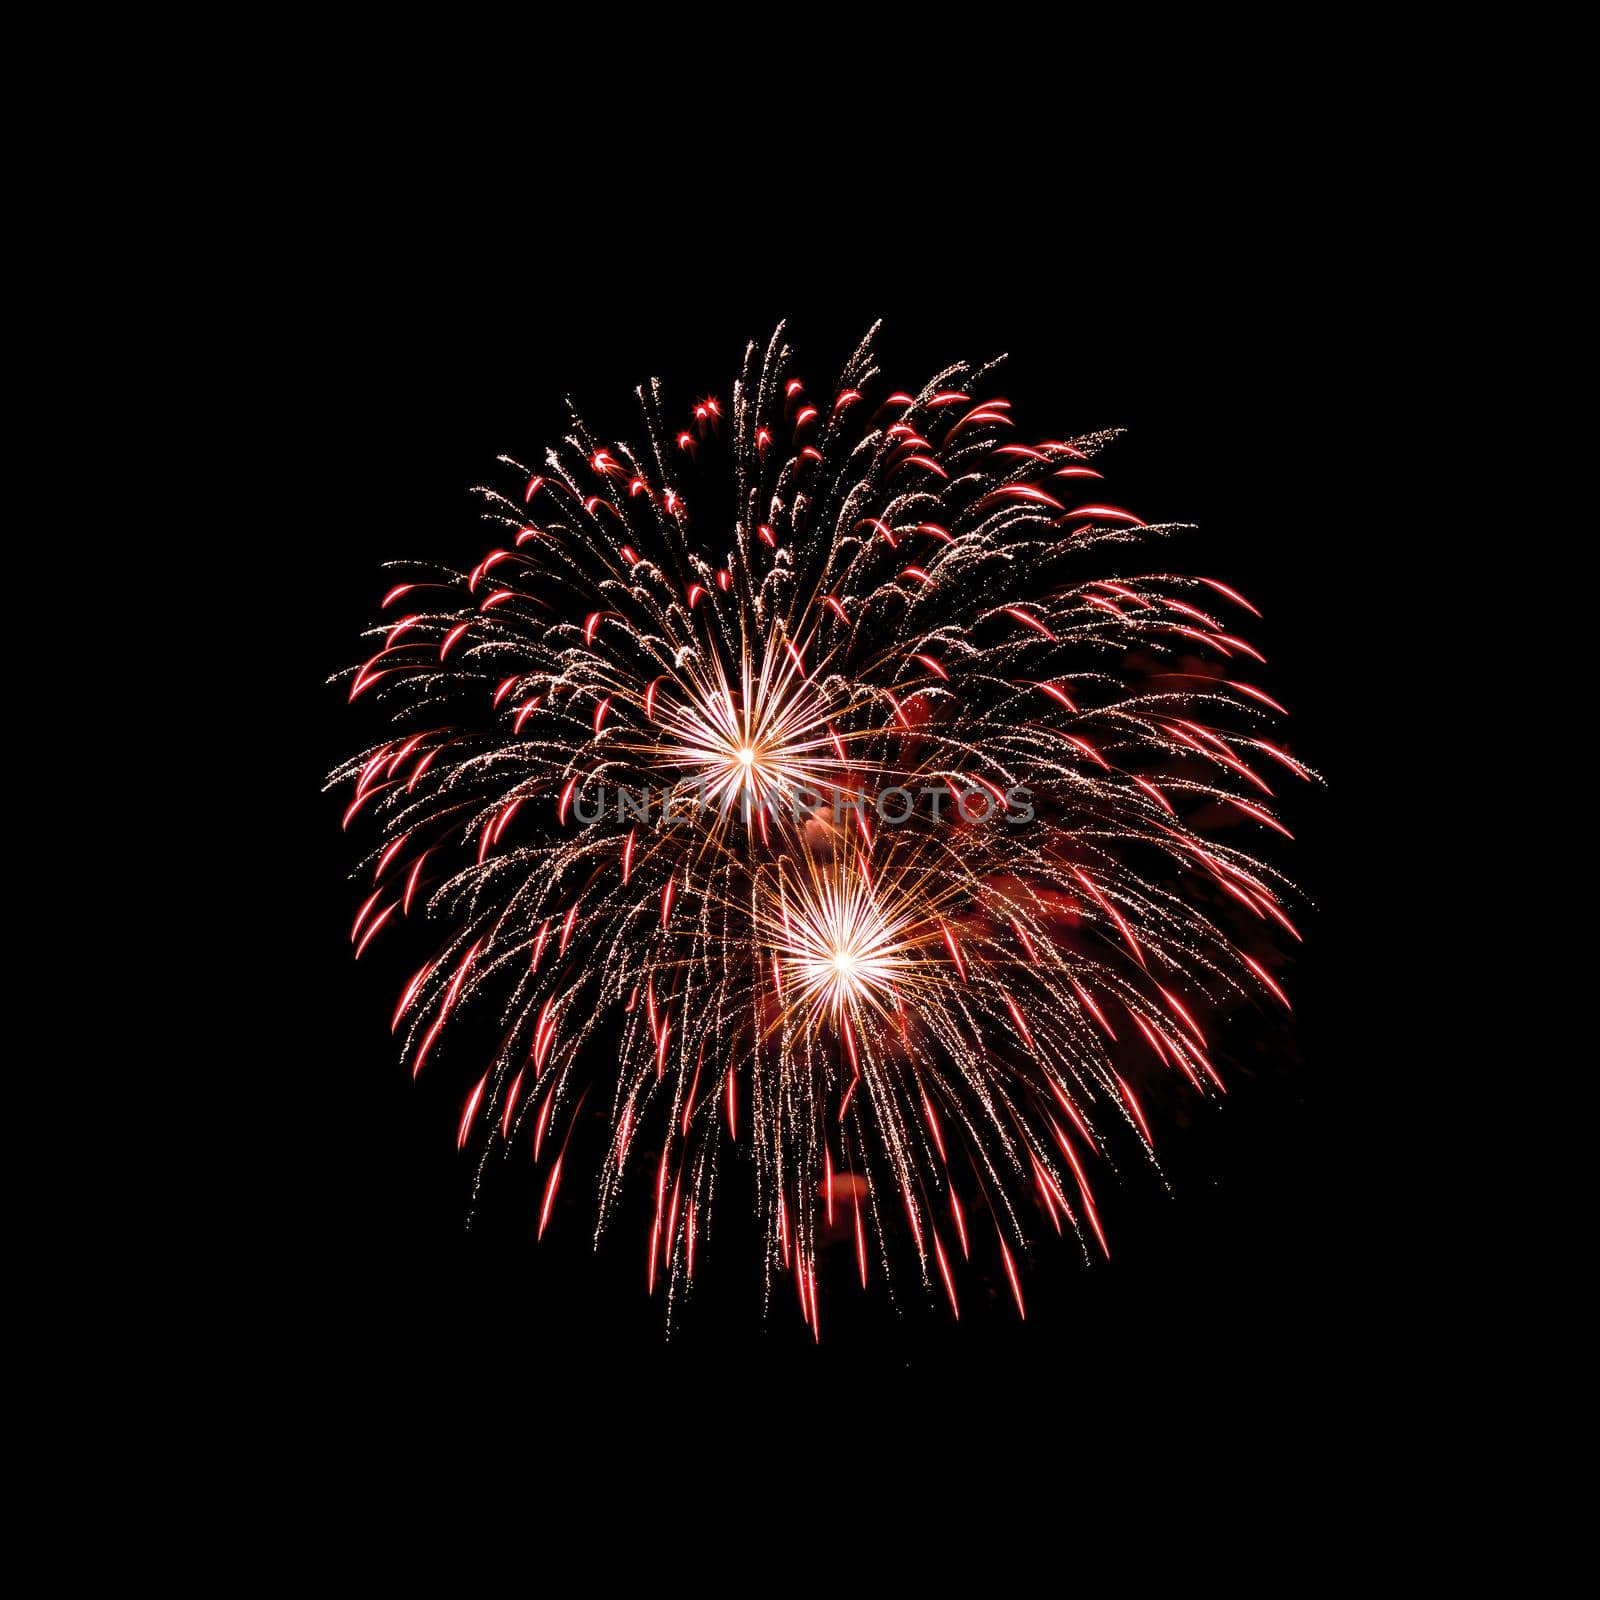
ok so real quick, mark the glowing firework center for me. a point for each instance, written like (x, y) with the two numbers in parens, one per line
(769, 744)
(840, 949)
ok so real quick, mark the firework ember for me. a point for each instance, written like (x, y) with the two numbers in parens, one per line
(805, 745)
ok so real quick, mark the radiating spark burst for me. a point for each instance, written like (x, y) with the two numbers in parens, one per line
(920, 1024)
(765, 743)
(843, 948)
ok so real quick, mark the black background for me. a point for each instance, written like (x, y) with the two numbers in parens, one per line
(1260, 1276)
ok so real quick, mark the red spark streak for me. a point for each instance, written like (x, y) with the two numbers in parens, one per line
(388, 911)
(955, 953)
(1261, 973)
(1099, 1015)
(1011, 1274)
(549, 1193)
(468, 1112)
(1133, 1105)
(1107, 514)
(1029, 622)
(944, 1272)
(412, 990)
(511, 1106)
(1112, 912)
(1232, 594)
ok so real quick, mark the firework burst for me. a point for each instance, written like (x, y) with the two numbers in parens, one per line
(804, 744)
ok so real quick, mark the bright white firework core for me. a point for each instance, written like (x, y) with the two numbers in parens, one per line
(840, 948)
(769, 739)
